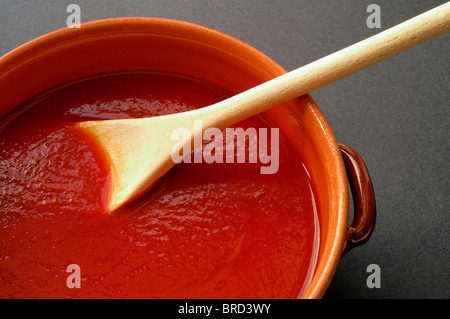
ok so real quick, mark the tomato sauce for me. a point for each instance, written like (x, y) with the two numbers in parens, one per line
(204, 231)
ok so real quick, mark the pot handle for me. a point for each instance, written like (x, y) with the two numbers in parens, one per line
(361, 228)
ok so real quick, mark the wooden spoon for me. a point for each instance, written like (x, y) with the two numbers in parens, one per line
(140, 149)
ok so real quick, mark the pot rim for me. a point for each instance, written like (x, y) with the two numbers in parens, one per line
(323, 274)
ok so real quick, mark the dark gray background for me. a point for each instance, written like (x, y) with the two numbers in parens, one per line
(395, 114)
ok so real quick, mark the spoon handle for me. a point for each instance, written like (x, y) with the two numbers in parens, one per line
(330, 68)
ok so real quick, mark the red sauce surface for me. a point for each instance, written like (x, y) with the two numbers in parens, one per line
(205, 231)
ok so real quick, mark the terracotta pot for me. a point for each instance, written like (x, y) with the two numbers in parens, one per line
(169, 46)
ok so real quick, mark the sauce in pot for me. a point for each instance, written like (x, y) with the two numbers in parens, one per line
(204, 231)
